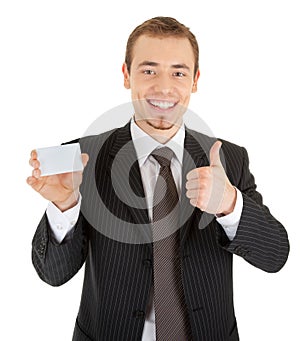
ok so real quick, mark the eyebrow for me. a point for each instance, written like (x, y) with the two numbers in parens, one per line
(174, 66)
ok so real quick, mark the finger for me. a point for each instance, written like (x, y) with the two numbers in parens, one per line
(33, 154)
(214, 154)
(192, 184)
(35, 183)
(33, 157)
(34, 163)
(31, 180)
(193, 202)
(192, 194)
(199, 174)
(192, 175)
(36, 173)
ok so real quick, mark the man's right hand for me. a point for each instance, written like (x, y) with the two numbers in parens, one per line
(61, 189)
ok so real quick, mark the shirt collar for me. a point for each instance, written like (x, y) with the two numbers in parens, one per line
(144, 144)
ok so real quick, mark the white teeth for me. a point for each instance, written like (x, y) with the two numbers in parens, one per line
(162, 104)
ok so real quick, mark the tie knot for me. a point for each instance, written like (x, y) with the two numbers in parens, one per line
(163, 156)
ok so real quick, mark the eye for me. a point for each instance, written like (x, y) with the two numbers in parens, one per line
(149, 72)
(178, 74)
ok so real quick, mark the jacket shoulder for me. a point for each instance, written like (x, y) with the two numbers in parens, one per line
(207, 141)
(91, 139)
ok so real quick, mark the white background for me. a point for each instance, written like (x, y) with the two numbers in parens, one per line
(60, 68)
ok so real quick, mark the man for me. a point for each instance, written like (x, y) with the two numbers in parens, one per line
(158, 212)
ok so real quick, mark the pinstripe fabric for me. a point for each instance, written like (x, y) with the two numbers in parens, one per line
(118, 276)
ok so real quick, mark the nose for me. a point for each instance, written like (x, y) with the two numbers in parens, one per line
(164, 84)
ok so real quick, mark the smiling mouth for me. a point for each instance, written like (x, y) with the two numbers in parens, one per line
(163, 105)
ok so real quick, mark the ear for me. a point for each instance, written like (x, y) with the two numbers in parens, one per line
(194, 88)
(126, 76)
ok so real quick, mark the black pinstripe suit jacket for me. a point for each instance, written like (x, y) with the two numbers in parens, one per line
(118, 274)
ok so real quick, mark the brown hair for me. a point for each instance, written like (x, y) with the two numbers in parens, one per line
(161, 27)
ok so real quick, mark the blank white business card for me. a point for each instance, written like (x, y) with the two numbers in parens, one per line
(60, 159)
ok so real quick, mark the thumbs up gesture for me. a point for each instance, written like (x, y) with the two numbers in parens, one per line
(208, 188)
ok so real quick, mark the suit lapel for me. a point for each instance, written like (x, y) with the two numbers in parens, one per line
(196, 149)
(127, 182)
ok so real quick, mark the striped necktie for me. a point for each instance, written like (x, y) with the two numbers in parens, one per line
(171, 317)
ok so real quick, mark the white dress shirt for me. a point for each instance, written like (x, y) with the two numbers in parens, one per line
(62, 223)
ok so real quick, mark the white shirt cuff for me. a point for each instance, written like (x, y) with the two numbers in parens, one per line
(230, 222)
(61, 223)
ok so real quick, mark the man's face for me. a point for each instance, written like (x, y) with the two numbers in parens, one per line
(161, 80)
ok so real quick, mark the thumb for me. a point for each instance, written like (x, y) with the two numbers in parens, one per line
(85, 159)
(214, 154)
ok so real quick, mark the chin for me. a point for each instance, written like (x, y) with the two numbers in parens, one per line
(160, 124)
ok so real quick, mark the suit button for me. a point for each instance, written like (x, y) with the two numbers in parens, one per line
(147, 263)
(241, 251)
(244, 253)
(139, 314)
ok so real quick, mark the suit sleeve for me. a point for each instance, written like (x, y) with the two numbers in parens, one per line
(260, 239)
(57, 263)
